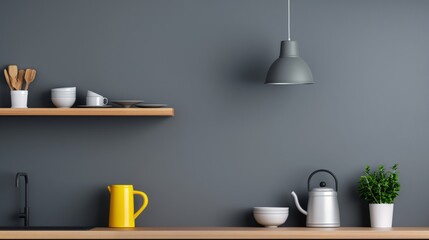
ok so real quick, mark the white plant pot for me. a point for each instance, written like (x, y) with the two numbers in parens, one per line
(381, 215)
(19, 98)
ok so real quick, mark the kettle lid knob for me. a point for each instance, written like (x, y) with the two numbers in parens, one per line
(322, 184)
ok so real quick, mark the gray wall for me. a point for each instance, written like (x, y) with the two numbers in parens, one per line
(235, 142)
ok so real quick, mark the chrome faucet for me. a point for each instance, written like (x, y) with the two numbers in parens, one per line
(26, 213)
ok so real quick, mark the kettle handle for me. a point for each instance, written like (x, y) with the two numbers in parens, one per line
(322, 170)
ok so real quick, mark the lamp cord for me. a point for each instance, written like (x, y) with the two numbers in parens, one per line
(288, 20)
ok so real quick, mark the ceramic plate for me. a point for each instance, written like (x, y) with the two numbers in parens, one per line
(151, 105)
(86, 106)
(126, 103)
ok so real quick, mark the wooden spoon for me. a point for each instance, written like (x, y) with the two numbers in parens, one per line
(13, 73)
(27, 77)
(30, 75)
(20, 78)
(6, 76)
(33, 74)
(12, 83)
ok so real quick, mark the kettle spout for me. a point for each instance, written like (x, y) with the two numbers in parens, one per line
(297, 203)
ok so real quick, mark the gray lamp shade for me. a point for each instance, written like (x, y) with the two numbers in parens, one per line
(289, 68)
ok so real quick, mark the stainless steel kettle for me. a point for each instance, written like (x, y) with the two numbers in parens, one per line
(322, 208)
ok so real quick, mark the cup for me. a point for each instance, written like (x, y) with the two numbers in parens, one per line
(92, 94)
(19, 98)
(96, 101)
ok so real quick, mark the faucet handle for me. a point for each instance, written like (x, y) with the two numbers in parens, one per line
(26, 213)
(18, 175)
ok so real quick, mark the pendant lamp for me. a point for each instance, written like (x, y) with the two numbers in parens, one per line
(289, 68)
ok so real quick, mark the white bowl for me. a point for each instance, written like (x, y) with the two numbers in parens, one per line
(63, 92)
(66, 89)
(63, 102)
(270, 209)
(63, 95)
(271, 220)
(270, 217)
(270, 212)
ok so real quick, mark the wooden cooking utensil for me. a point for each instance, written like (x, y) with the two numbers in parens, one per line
(33, 74)
(13, 73)
(30, 75)
(6, 76)
(20, 78)
(27, 74)
(12, 82)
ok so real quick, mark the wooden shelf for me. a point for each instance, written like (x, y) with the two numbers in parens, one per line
(225, 233)
(156, 112)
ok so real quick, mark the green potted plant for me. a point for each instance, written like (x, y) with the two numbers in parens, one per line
(380, 188)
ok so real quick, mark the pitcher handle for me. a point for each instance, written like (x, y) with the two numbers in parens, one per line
(144, 205)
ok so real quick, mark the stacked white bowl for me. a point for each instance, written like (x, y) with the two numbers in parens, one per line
(63, 97)
(271, 217)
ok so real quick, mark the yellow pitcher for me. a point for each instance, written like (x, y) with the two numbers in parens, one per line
(122, 205)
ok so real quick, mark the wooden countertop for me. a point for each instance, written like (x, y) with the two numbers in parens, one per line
(225, 233)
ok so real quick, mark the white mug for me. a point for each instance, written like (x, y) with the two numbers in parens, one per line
(96, 101)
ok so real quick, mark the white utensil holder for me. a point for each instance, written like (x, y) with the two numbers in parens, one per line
(19, 98)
